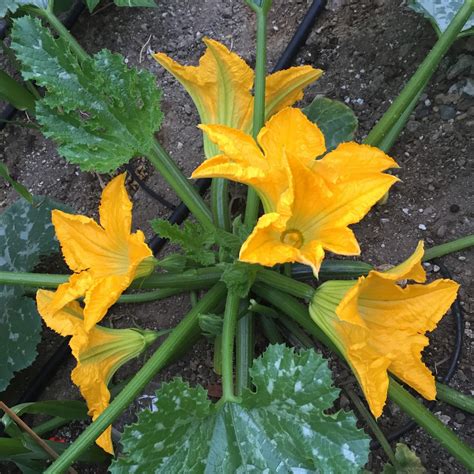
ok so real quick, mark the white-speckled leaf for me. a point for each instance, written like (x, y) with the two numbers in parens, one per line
(11, 6)
(91, 4)
(100, 112)
(26, 233)
(279, 428)
(336, 120)
(440, 13)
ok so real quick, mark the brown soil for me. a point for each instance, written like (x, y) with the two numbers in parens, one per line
(368, 50)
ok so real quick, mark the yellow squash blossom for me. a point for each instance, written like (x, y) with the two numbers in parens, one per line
(308, 202)
(221, 87)
(99, 354)
(379, 325)
(105, 258)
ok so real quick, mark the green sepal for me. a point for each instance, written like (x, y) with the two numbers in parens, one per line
(281, 427)
(406, 462)
(26, 233)
(100, 112)
(336, 120)
(440, 13)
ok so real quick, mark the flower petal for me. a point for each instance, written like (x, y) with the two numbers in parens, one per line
(410, 269)
(116, 210)
(68, 321)
(220, 86)
(284, 88)
(351, 160)
(244, 162)
(85, 245)
(103, 293)
(73, 289)
(264, 245)
(290, 131)
(370, 367)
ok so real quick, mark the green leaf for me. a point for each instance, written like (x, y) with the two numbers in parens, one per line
(210, 324)
(67, 409)
(100, 112)
(193, 238)
(13, 5)
(91, 4)
(19, 188)
(282, 427)
(335, 119)
(26, 233)
(406, 462)
(239, 277)
(440, 13)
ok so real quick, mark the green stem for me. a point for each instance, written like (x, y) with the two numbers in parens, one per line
(416, 410)
(245, 338)
(285, 284)
(148, 296)
(187, 330)
(165, 165)
(228, 333)
(220, 203)
(449, 247)
(454, 398)
(370, 420)
(396, 392)
(189, 280)
(63, 32)
(50, 425)
(421, 76)
(251, 209)
(270, 330)
(244, 352)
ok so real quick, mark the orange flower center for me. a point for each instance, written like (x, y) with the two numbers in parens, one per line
(292, 237)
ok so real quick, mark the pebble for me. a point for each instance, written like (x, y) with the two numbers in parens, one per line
(463, 64)
(444, 418)
(436, 268)
(441, 232)
(421, 226)
(187, 109)
(447, 112)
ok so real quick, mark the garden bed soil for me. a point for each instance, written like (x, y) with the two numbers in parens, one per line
(368, 50)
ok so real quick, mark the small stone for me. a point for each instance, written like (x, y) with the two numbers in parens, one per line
(445, 419)
(460, 417)
(461, 258)
(421, 226)
(412, 126)
(463, 64)
(406, 211)
(187, 109)
(441, 232)
(447, 112)
(454, 208)
(468, 88)
(431, 187)
(436, 268)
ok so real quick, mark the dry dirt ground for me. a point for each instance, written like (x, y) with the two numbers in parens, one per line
(368, 50)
